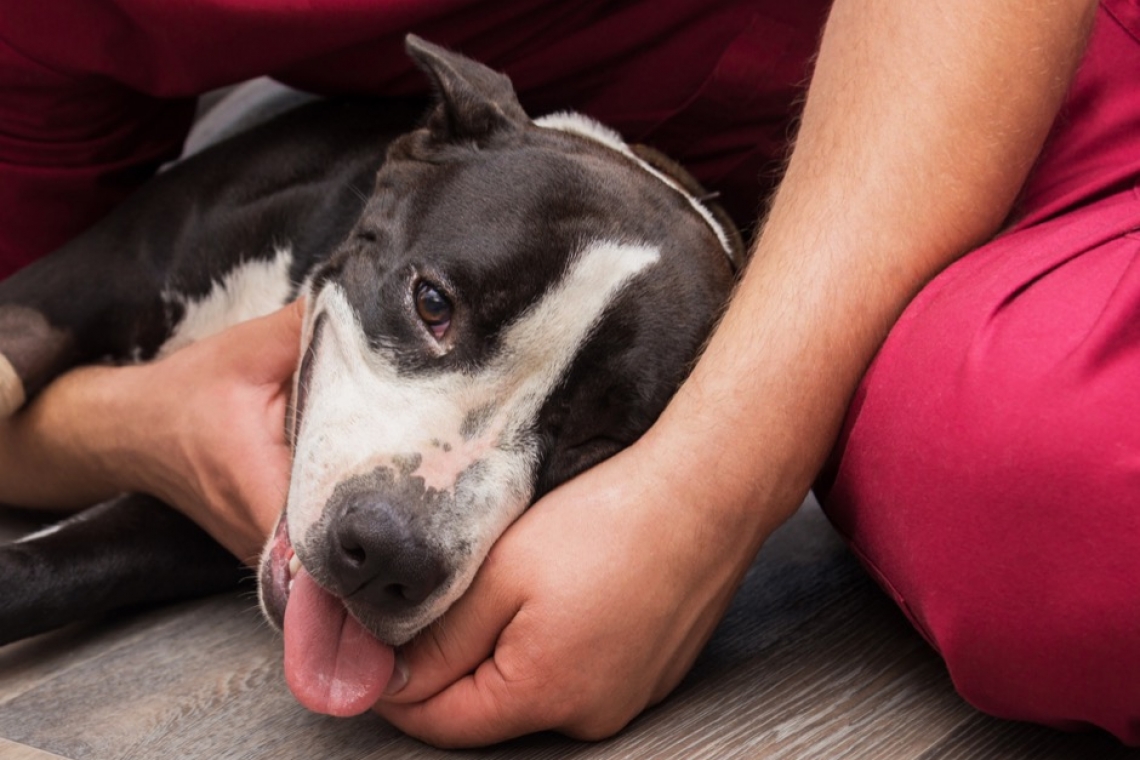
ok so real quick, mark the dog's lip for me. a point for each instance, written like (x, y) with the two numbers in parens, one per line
(277, 572)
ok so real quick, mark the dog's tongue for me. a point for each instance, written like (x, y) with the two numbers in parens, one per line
(332, 665)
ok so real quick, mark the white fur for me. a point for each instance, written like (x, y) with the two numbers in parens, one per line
(362, 414)
(580, 124)
(251, 289)
(41, 533)
(584, 126)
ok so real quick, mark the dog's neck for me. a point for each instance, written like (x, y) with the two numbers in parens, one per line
(584, 126)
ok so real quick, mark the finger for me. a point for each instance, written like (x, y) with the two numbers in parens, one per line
(268, 487)
(454, 645)
(275, 340)
(282, 337)
(243, 520)
(480, 709)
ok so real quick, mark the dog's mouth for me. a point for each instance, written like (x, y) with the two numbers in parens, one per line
(279, 564)
(333, 665)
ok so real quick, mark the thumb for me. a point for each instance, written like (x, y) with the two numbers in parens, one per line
(274, 341)
(454, 645)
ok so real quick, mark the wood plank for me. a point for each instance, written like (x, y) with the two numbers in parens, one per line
(811, 661)
(869, 690)
(13, 751)
(24, 665)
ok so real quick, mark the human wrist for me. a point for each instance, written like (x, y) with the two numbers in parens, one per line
(141, 451)
(106, 445)
(731, 508)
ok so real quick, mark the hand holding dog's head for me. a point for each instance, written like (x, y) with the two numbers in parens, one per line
(517, 302)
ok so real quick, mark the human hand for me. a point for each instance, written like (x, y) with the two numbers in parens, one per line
(591, 607)
(208, 429)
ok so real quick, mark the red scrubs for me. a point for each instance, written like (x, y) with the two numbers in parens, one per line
(94, 97)
(989, 470)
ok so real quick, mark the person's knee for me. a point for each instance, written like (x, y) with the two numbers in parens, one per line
(1062, 654)
(995, 495)
(1012, 539)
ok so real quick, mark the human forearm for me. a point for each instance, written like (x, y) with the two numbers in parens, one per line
(202, 429)
(921, 123)
(58, 453)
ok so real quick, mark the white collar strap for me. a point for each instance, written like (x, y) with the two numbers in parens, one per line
(584, 126)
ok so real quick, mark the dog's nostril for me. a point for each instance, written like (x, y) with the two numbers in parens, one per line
(355, 554)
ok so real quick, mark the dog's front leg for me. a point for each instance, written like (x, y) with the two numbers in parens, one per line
(132, 550)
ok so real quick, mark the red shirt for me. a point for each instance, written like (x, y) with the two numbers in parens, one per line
(95, 96)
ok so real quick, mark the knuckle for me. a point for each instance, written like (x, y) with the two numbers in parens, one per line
(597, 726)
(423, 723)
(558, 712)
(591, 713)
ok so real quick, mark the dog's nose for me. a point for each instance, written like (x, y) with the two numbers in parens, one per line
(376, 559)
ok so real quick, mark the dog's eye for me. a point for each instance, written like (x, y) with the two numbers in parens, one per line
(433, 307)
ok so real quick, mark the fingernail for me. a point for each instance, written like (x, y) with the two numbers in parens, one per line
(399, 677)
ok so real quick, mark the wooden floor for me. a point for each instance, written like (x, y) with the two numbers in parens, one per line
(811, 662)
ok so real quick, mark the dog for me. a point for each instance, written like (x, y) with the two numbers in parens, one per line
(493, 305)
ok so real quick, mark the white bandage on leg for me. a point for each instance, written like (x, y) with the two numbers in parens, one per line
(11, 389)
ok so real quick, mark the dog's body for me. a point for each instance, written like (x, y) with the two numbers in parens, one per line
(493, 305)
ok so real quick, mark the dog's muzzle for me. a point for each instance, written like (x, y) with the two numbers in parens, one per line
(370, 551)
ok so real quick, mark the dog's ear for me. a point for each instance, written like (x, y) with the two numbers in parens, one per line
(474, 102)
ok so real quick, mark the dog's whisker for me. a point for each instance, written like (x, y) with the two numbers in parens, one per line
(359, 193)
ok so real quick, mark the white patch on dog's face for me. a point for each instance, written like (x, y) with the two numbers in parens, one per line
(250, 290)
(467, 434)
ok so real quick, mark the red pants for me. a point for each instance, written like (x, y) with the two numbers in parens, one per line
(989, 471)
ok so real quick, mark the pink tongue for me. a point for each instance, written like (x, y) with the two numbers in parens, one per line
(332, 665)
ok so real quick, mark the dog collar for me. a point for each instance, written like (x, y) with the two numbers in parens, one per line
(584, 126)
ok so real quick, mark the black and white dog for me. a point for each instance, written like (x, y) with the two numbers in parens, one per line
(511, 302)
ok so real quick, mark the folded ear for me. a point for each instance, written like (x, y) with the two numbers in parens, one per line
(474, 102)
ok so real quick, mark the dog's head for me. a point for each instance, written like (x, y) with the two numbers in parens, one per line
(517, 302)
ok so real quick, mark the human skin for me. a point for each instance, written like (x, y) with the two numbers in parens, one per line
(922, 121)
(202, 429)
